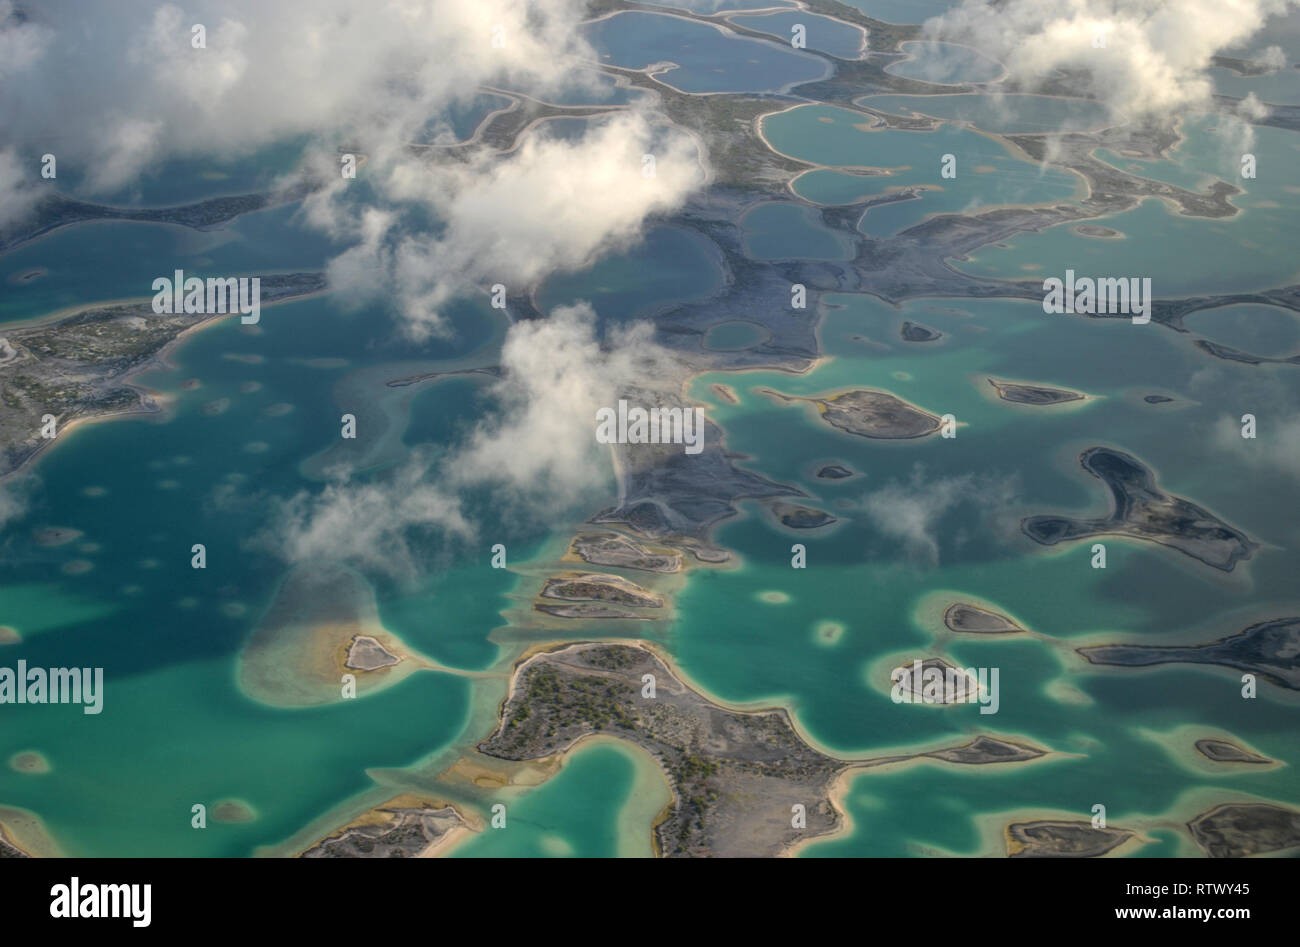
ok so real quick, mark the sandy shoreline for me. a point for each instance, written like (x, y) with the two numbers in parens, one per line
(160, 361)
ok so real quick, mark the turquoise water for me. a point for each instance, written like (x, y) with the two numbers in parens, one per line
(1009, 459)
(1247, 251)
(788, 231)
(192, 179)
(708, 59)
(1010, 456)
(1252, 328)
(920, 516)
(821, 33)
(119, 260)
(987, 174)
(671, 265)
(595, 807)
(1168, 171)
(1277, 88)
(1233, 254)
(730, 336)
(142, 492)
(1004, 114)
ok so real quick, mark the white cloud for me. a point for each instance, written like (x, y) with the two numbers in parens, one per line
(1156, 53)
(15, 500)
(540, 445)
(16, 195)
(387, 525)
(1273, 58)
(910, 511)
(22, 42)
(120, 87)
(1275, 447)
(115, 91)
(552, 204)
(535, 451)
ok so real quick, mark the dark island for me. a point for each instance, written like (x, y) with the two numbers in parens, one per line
(1033, 394)
(622, 552)
(1141, 511)
(915, 332)
(834, 472)
(1237, 830)
(801, 517)
(1221, 751)
(1270, 649)
(974, 620)
(1059, 839)
(869, 413)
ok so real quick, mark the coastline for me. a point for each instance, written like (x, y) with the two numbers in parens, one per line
(160, 361)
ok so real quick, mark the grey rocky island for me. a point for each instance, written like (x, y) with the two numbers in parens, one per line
(1270, 649)
(1222, 751)
(1033, 394)
(614, 549)
(869, 413)
(600, 587)
(367, 654)
(404, 827)
(795, 516)
(1047, 838)
(78, 367)
(736, 776)
(1237, 830)
(972, 619)
(1140, 510)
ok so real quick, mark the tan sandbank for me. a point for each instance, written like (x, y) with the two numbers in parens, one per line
(298, 654)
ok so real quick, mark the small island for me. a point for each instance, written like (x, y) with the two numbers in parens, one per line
(1237, 830)
(600, 587)
(1049, 838)
(915, 332)
(1140, 510)
(320, 635)
(622, 552)
(1221, 751)
(367, 654)
(869, 413)
(403, 827)
(591, 610)
(1033, 394)
(1096, 230)
(725, 392)
(1270, 649)
(801, 517)
(985, 749)
(966, 618)
(834, 472)
(957, 685)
